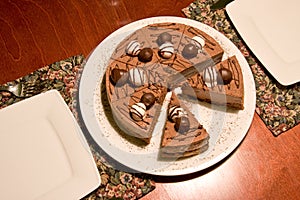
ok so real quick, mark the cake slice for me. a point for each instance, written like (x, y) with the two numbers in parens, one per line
(206, 45)
(183, 136)
(221, 84)
(165, 39)
(196, 51)
(131, 45)
(181, 48)
(136, 114)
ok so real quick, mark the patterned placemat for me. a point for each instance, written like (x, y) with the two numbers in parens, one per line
(277, 105)
(63, 76)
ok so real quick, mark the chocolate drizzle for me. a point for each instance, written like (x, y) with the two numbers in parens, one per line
(181, 63)
(123, 90)
(235, 75)
(163, 26)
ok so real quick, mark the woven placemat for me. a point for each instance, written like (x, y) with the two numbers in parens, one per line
(63, 76)
(277, 105)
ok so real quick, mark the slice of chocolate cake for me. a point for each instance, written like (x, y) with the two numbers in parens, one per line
(131, 45)
(136, 114)
(196, 51)
(183, 135)
(182, 49)
(221, 84)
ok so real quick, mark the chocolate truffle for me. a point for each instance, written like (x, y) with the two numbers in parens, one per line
(210, 76)
(137, 77)
(148, 99)
(133, 48)
(189, 51)
(145, 55)
(164, 37)
(138, 111)
(166, 50)
(118, 77)
(224, 76)
(199, 42)
(182, 124)
(175, 112)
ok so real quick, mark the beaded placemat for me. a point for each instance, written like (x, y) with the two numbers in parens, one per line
(277, 105)
(63, 76)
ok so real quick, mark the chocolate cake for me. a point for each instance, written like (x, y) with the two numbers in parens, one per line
(159, 58)
(183, 135)
(220, 84)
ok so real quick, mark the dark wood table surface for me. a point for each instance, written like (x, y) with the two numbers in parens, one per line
(34, 33)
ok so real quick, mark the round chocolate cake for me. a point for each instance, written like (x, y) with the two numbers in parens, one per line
(153, 61)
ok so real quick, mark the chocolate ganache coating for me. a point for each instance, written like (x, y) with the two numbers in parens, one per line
(224, 76)
(148, 99)
(190, 51)
(182, 124)
(118, 77)
(164, 37)
(145, 55)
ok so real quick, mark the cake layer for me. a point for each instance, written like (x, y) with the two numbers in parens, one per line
(175, 155)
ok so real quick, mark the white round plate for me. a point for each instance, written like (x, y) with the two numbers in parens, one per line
(226, 128)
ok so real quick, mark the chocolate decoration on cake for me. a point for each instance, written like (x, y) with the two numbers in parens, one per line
(182, 124)
(189, 51)
(164, 37)
(175, 112)
(235, 68)
(133, 48)
(118, 77)
(210, 76)
(166, 50)
(138, 111)
(145, 55)
(224, 76)
(196, 32)
(199, 42)
(148, 99)
(137, 77)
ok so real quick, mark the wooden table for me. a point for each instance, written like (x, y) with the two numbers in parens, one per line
(39, 32)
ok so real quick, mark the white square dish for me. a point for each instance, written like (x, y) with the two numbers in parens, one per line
(43, 152)
(271, 30)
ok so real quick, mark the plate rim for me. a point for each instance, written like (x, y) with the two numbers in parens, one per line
(86, 103)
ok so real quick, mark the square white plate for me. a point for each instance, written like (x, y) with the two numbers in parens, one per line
(271, 30)
(43, 152)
